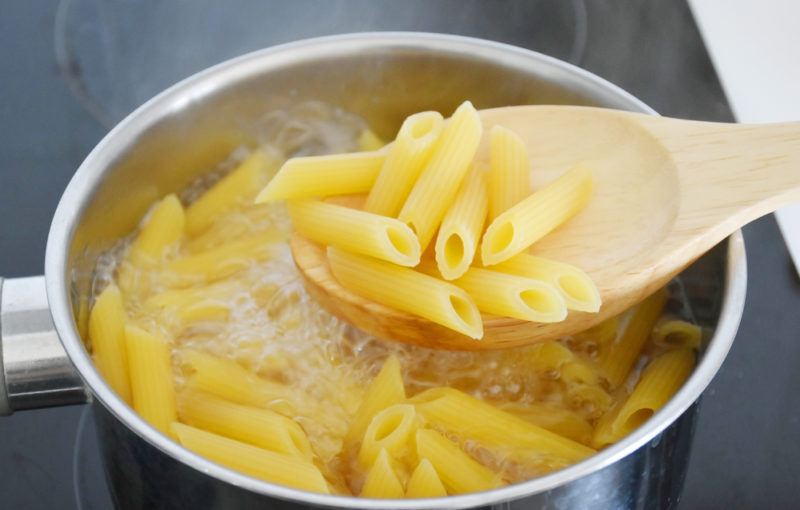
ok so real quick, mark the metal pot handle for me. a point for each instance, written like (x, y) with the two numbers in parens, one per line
(34, 368)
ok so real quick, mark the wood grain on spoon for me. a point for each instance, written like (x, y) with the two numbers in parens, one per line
(666, 191)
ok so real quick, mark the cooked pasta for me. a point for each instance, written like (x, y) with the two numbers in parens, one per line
(553, 418)
(390, 431)
(462, 226)
(425, 482)
(536, 216)
(458, 471)
(151, 378)
(509, 173)
(407, 156)
(408, 290)
(618, 359)
(322, 176)
(677, 333)
(436, 188)
(382, 481)
(356, 231)
(576, 287)
(289, 470)
(164, 226)
(107, 333)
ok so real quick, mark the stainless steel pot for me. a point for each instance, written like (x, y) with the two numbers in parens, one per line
(186, 130)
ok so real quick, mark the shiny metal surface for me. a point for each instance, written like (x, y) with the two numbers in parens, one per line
(36, 371)
(381, 77)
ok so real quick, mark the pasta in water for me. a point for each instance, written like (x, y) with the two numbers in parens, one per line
(203, 326)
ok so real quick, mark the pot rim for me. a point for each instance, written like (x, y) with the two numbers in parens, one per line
(91, 171)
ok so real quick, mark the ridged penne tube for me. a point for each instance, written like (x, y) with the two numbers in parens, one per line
(390, 430)
(151, 378)
(462, 226)
(369, 141)
(425, 482)
(385, 390)
(163, 227)
(356, 231)
(592, 398)
(447, 408)
(576, 287)
(603, 431)
(509, 173)
(220, 262)
(547, 356)
(228, 380)
(258, 427)
(661, 379)
(578, 371)
(288, 470)
(237, 188)
(407, 290)
(436, 188)
(618, 359)
(536, 216)
(677, 333)
(603, 334)
(323, 176)
(553, 418)
(382, 481)
(107, 333)
(407, 156)
(458, 472)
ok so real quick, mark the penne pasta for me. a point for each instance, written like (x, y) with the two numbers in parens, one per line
(324, 176)
(385, 390)
(288, 470)
(446, 407)
(407, 290)
(509, 174)
(390, 431)
(458, 471)
(235, 189)
(576, 287)
(258, 427)
(236, 225)
(369, 141)
(603, 334)
(407, 156)
(462, 226)
(577, 371)
(619, 357)
(436, 188)
(163, 227)
(107, 333)
(425, 482)
(603, 433)
(547, 356)
(151, 378)
(677, 333)
(536, 216)
(356, 231)
(382, 481)
(553, 418)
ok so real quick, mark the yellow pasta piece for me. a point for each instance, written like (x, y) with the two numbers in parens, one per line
(406, 159)
(536, 216)
(237, 225)
(228, 380)
(356, 231)
(151, 378)
(220, 262)
(547, 356)
(384, 391)
(677, 333)
(576, 287)
(553, 418)
(369, 141)
(603, 432)
(235, 189)
(662, 378)
(603, 334)
(107, 333)
(509, 174)
(447, 407)
(163, 227)
(436, 188)
(323, 176)
(619, 357)
(462, 226)
(390, 431)
(82, 319)
(407, 290)
(592, 398)
(425, 482)
(288, 470)
(579, 372)
(259, 427)
(382, 481)
(458, 472)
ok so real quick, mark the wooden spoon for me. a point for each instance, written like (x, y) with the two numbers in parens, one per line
(666, 191)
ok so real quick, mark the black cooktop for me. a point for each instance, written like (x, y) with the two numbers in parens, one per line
(70, 70)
